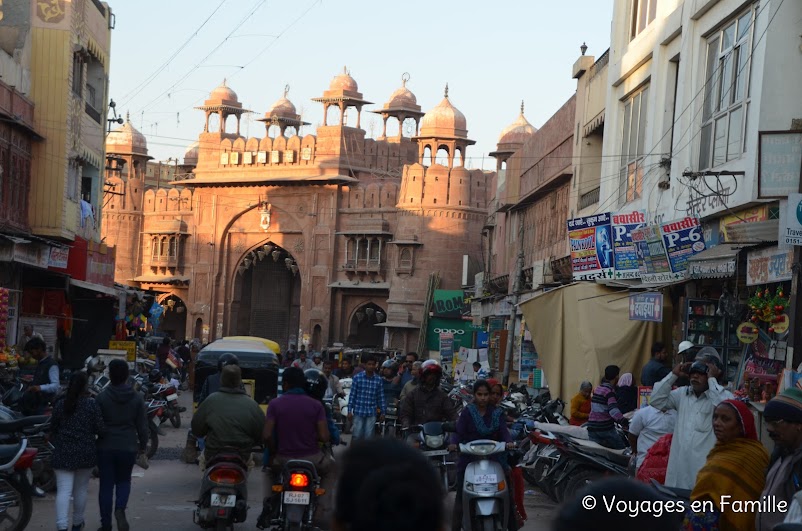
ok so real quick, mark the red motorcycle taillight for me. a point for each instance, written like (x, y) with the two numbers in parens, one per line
(160, 412)
(299, 480)
(25, 461)
(228, 476)
(170, 391)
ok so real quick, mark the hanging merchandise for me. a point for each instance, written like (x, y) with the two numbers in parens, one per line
(4, 298)
(770, 309)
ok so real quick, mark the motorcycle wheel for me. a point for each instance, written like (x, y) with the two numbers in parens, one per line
(531, 474)
(175, 418)
(46, 479)
(579, 480)
(153, 443)
(221, 526)
(12, 490)
(486, 524)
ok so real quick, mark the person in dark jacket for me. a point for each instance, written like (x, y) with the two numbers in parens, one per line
(126, 434)
(656, 369)
(212, 384)
(76, 423)
(46, 382)
(626, 392)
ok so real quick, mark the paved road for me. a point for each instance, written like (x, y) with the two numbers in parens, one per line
(162, 496)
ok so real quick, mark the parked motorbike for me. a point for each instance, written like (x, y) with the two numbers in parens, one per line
(223, 499)
(171, 411)
(486, 497)
(432, 439)
(16, 490)
(35, 430)
(294, 500)
(155, 409)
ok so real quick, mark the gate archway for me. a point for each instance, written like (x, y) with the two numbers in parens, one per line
(362, 330)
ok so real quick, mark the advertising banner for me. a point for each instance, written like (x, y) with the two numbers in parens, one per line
(591, 247)
(779, 162)
(682, 239)
(625, 256)
(766, 266)
(652, 258)
(646, 307)
(461, 330)
(446, 349)
(448, 303)
(791, 221)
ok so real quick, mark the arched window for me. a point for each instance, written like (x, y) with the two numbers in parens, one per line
(442, 156)
(457, 157)
(154, 248)
(163, 251)
(427, 156)
(405, 259)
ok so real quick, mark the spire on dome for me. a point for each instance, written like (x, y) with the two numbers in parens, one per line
(127, 116)
(446, 91)
(286, 90)
(404, 78)
(522, 107)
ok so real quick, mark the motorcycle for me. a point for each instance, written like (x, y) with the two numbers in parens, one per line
(155, 409)
(294, 499)
(171, 411)
(340, 406)
(16, 490)
(223, 498)
(486, 497)
(14, 428)
(433, 442)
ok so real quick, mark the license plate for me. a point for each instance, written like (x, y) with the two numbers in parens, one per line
(431, 453)
(223, 500)
(296, 498)
(485, 479)
(170, 398)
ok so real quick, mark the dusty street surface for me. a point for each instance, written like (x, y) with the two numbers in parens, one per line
(162, 496)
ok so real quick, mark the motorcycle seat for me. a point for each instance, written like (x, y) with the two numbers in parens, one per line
(12, 426)
(620, 457)
(7, 451)
(300, 465)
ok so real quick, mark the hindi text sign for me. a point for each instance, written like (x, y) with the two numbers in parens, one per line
(779, 163)
(591, 247)
(626, 257)
(646, 307)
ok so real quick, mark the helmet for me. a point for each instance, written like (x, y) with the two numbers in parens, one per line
(155, 376)
(389, 364)
(316, 383)
(226, 359)
(698, 366)
(707, 354)
(685, 345)
(430, 367)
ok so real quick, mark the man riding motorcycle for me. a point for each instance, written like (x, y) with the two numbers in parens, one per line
(212, 383)
(229, 418)
(296, 424)
(427, 402)
(316, 386)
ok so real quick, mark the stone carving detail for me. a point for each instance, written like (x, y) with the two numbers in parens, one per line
(298, 247)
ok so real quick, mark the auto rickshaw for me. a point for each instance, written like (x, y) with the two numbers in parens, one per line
(258, 362)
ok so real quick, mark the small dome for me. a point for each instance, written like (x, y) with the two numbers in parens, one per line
(403, 97)
(519, 131)
(127, 138)
(223, 92)
(444, 120)
(283, 107)
(344, 82)
(191, 154)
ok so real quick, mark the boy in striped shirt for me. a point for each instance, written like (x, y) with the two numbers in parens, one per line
(604, 412)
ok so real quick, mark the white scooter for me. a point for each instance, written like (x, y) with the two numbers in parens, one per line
(485, 493)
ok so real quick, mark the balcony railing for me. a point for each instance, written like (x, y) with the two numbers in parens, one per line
(363, 265)
(589, 199)
(164, 261)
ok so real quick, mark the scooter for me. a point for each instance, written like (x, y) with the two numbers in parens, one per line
(485, 493)
(223, 499)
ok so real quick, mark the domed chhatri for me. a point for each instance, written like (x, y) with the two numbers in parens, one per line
(444, 120)
(127, 139)
(519, 131)
(283, 114)
(191, 153)
(344, 82)
(224, 94)
(402, 97)
(283, 107)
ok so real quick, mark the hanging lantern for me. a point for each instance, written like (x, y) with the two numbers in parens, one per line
(181, 309)
(246, 263)
(288, 262)
(370, 311)
(380, 316)
(260, 254)
(275, 254)
(171, 303)
(268, 248)
(241, 269)
(360, 316)
(294, 269)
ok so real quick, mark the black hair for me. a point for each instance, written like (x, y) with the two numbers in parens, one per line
(475, 363)
(293, 377)
(76, 389)
(396, 494)
(367, 358)
(611, 371)
(166, 340)
(658, 346)
(481, 383)
(35, 343)
(412, 354)
(118, 372)
(576, 514)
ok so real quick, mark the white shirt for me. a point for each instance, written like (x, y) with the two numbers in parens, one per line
(649, 424)
(693, 437)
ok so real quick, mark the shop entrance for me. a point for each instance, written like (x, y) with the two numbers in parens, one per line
(363, 331)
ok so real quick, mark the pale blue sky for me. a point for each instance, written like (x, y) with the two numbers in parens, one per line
(492, 54)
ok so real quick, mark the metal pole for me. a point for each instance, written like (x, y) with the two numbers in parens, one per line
(516, 289)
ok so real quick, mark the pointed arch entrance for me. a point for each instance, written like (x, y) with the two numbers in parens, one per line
(267, 296)
(174, 318)
(362, 330)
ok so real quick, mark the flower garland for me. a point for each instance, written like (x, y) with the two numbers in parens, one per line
(767, 307)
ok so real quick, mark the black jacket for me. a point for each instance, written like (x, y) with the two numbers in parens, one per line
(125, 419)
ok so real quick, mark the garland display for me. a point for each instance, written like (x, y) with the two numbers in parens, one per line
(767, 307)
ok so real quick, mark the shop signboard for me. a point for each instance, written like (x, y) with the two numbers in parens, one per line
(779, 163)
(769, 265)
(747, 215)
(448, 303)
(25, 252)
(100, 266)
(646, 307)
(652, 259)
(791, 222)
(461, 330)
(128, 346)
(446, 349)
(59, 257)
(626, 258)
(590, 242)
(682, 239)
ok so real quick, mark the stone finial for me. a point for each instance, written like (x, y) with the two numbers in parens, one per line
(127, 116)
(345, 70)
(583, 48)
(404, 79)
(224, 83)
(522, 107)
(286, 90)
(446, 92)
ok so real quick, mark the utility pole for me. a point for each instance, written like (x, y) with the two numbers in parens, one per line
(516, 290)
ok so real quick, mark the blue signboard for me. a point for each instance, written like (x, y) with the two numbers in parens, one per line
(682, 239)
(626, 257)
(646, 307)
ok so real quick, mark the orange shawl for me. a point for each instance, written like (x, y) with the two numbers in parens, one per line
(737, 468)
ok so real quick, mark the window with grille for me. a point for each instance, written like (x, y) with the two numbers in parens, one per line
(726, 92)
(632, 146)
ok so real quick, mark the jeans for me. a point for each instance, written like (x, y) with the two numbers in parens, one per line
(75, 484)
(115, 474)
(364, 427)
(608, 438)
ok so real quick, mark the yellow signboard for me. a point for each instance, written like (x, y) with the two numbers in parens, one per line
(782, 324)
(747, 333)
(128, 346)
(749, 215)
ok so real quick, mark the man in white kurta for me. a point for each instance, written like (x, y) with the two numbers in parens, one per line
(693, 436)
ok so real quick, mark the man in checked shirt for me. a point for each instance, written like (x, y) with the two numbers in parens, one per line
(366, 398)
